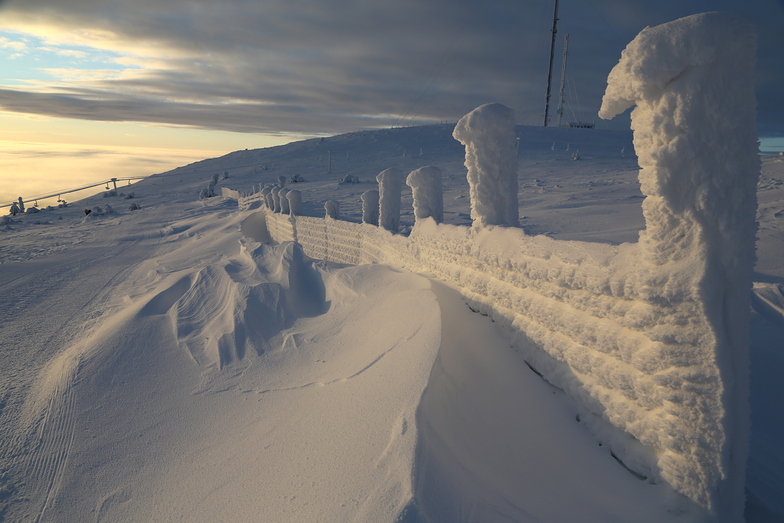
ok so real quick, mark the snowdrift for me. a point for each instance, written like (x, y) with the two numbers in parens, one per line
(650, 339)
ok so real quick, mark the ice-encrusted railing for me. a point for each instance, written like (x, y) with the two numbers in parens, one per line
(650, 339)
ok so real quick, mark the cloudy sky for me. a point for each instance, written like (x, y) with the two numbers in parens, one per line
(247, 73)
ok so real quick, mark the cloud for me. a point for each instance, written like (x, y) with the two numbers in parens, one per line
(284, 66)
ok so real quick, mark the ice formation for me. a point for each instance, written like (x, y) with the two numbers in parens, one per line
(284, 202)
(649, 339)
(425, 184)
(692, 82)
(389, 191)
(370, 207)
(294, 198)
(266, 197)
(332, 209)
(488, 134)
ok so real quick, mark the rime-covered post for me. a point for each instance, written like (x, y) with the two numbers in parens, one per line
(266, 197)
(284, 202)
(370, 207)
(425, 184)
(692, 82)
(275, 193)
(488, 134)
(294, 198)
(332, 209)
(389, 192)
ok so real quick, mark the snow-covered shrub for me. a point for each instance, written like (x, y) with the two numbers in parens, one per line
(294, 198)
(370, 207)
(134, 207)
(32, 210)
(389, 191)
(349, 179)
(692, 82)
(129, 196)
(428, 193)
(281, 181)
(109, 194)
(284, 202)
(332, 209)
(20, 204)
(488, 134)
(107, 209)
(296, 179)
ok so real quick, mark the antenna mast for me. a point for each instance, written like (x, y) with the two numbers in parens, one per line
(563, 79)
(550, 70)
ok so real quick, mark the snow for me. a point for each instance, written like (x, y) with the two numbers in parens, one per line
(294, 198)
(691, 81)
(491, 159)
(332, 209)
(176, 363)
(389, 192)
(370, 207)
(427, 192)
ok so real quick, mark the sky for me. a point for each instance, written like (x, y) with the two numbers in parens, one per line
(205, 78)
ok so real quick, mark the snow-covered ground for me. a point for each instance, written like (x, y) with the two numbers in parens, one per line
(346, 393)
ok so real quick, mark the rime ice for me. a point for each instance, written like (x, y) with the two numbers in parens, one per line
(491, 159)
(692, 82)
(425, 184)
(389, 185)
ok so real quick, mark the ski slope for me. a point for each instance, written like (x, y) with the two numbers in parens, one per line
(170, 363)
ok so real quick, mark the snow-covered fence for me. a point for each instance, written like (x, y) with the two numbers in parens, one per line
(425, 184)
(692, 82)
(295, 201)
(370, 207)
(488, 134)
(650, 339)
(390, 183)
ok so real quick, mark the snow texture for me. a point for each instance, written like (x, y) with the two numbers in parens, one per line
(488, 135)
(390, 183)
(294, 198)
(692, 81)
(332, 209)
(370, 207)
(649, 338)
(284, 202)
(425, 184)
(275, 193)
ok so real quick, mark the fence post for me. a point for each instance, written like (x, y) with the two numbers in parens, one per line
(692, 82)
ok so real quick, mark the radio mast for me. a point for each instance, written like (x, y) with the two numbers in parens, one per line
(563, 79)
(550, 70)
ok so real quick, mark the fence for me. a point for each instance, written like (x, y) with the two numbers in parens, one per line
(649, 339)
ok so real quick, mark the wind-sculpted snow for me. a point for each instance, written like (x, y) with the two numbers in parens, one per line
(488, 135)
(223, 314)
(649, 338)
(695, 135)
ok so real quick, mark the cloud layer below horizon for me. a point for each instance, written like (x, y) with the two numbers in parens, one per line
(282, 67)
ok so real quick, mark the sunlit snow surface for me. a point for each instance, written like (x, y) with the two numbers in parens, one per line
(159, 364)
